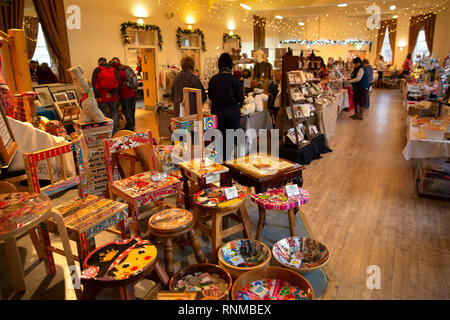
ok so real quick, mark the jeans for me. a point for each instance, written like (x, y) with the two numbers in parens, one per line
(112, 114)
(129, 111)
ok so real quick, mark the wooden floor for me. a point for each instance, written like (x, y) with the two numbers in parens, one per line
(364, 208)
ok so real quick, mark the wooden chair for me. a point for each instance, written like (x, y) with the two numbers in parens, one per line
(120, 265)
(139, 189)
(85, 216)
(211, 204)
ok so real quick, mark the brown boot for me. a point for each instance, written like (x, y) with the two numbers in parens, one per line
(360, 114)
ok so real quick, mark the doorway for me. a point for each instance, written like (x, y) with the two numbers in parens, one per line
(143, 60)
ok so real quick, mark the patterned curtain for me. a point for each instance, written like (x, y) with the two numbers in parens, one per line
(31, 27)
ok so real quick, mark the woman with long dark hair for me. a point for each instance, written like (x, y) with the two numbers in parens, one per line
(227, 97)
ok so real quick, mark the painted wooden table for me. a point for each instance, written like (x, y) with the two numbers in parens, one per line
(20, 212)
(120, 265)
(262, 172)
(213, 204)
(277, 199)
(203, 173)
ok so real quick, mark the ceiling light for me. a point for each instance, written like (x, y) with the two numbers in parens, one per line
(340, 5)
(395, 17)
(190, 20)
(246, 7)
(231, 26)
(393, 7)
(301, 23)
(279, 17)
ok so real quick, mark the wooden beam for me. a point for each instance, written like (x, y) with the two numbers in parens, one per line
(21, 68)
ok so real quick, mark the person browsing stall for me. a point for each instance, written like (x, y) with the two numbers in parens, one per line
(360, 84)
(186, 79)
(226, 95)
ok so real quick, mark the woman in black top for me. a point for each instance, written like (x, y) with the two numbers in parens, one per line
(227, 97)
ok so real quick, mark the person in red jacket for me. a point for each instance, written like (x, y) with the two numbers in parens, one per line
(106, 85)
(45, 75)
(127, 95)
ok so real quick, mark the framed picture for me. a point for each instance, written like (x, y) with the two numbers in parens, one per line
(71, 94)
(45, 97)
(67, 111)
(60, 96)
(8, 144)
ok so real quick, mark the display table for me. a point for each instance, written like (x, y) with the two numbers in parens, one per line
(343, 100)
(263, 172)
(418, 147)
(327, 118)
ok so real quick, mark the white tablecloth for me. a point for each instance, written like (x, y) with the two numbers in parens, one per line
(422, 148)
(327, 118)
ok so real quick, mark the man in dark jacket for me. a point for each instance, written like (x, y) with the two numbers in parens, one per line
(186, 79)
(106, 85)
(360, 84)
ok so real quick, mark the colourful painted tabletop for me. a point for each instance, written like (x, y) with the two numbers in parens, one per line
(170, 219)
(260, 165)
(142, 183)
(119, 260)
(18, 210)
(201, 169)
(277, 199)
(215, 197)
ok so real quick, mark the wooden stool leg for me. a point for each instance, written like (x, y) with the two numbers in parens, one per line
(36, 243)
(262, 217)
(291, 214)
(90, 291)
(185, 179)
(179, 197)
(127, 292)
(195, 243)
(68, 251)
(246, 221)
(161, 273)
(15, 265)
(216, 235)
(168, 256)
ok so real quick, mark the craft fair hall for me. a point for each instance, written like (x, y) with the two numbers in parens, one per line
(227, 150)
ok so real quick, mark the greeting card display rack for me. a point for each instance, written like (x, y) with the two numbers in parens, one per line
(299, 91)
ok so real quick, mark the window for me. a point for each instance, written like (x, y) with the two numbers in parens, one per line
(421, 48)
(41, 53)
(386, 50)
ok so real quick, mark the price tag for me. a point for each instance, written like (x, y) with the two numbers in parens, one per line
(295, 263)
(259, 290)
(213, 178)
(292, 190)
(231, 193)
(247, 83)
(237, 260)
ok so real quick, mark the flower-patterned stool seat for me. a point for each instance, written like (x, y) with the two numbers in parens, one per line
(120, 265)
(213, 204)
(172, 223)
(277, 199)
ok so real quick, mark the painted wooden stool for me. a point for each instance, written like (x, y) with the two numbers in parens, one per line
(172, 223)
(277, 199)
(213, 204)
(19, 213)
(120, 265)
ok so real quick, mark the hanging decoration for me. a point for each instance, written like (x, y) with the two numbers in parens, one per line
(227, 36)
(186, 32)
(328, 42)
(146, 27)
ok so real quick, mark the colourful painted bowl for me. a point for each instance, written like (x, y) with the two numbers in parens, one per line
(301, 254)
(211, 269)
(239, 256)
(283, 284)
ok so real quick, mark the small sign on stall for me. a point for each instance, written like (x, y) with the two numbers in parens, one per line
(231, 193)
(292, 190)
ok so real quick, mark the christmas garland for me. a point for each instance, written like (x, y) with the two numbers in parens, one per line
(227, 37)
(137, 26)
(329, 42)
(185, 32)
